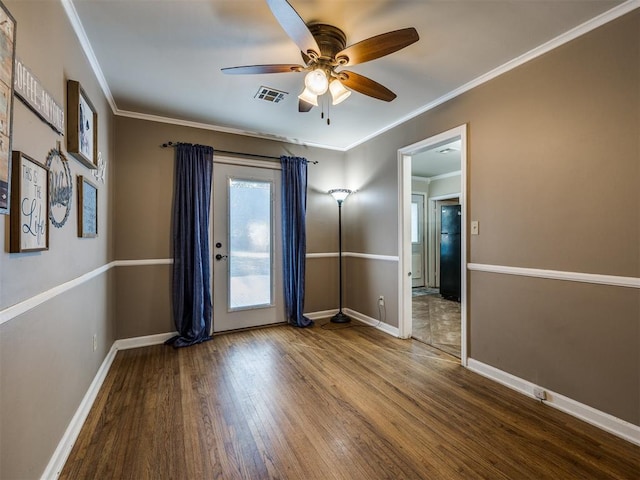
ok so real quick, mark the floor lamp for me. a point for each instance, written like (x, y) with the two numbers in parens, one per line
(340, 194)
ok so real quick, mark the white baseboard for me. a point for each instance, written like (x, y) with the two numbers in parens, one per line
(60, 455)
(609, 423)
(384, 327)
(147, 341)
(321, 314)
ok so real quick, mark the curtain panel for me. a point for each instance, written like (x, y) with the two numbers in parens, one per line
(294, 237)
(191, 289)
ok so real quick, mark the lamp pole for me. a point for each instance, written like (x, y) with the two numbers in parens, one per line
(340, 194)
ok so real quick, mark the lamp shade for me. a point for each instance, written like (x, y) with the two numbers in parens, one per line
(340, 194)
(338, 92)
(309, 97)
(316, 81)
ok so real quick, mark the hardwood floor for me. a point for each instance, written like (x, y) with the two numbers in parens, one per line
(335, 403)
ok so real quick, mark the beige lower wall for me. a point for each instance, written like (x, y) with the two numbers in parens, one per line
(365, 281)
(576, 339)
(321, 284)
(143, 305)
(47, 363)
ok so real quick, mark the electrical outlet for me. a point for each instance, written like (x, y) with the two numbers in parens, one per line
(381, 300)
(539, 393)
(95, 342)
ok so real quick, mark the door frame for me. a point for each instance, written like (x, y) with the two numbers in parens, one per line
(425, 263)
(404, 231)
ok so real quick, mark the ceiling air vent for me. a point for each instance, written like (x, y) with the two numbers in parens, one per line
(269, 94)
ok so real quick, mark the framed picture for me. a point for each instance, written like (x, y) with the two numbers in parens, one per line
(87, 208)
(29, 223)
(7, 67)
(82, 126)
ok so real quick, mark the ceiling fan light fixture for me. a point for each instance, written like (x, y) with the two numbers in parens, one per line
(309, 97)
(316, 81)
(339, 92)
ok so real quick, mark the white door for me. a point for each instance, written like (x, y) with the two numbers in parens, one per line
(246, 247)
(417, 241)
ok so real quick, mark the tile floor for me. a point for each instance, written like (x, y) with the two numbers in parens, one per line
(436, 321)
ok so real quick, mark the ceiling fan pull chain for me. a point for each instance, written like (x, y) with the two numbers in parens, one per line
(328, 112)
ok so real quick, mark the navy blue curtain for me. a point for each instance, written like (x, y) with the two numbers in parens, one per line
(191, 292)
(294, 237)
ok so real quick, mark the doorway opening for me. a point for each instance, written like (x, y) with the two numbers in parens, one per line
(433, 244)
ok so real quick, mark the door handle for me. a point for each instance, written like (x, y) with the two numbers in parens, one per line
(220, 257)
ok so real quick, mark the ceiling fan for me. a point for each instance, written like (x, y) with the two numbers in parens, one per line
(324, 52)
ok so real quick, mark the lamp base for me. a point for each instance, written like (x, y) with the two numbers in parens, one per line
(340, 318)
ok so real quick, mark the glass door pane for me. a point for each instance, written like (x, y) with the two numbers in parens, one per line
(250, 244)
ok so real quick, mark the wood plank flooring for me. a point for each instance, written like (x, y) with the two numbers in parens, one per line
(327, 403)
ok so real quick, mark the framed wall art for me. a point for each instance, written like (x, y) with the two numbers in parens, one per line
(87, 208)
(82, 126)
(7, 71)
(29, 223)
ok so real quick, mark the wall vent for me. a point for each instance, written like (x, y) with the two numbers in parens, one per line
(269, 94)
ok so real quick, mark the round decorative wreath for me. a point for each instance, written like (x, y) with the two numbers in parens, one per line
(60, 187)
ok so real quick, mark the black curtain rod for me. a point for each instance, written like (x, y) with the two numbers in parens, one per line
(268, 157)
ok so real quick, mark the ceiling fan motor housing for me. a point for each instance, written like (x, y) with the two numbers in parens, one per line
(330, 39)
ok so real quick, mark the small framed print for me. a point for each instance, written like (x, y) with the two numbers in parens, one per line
(82, 126)
(7, 72)
(87, 208)
(29, 223)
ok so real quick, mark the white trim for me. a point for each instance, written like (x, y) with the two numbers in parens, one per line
(446, 196)
(426, 180)
(605, 421)
(321, 314)
(368, 256)
(13, 311)
(142, 262)
(72, 14)
(323, 255)
(404, 231)
(612, 280)
(217, 128)
(384, 327)
(556, 42)
(146, 341)
(446, 175)
(62, 451)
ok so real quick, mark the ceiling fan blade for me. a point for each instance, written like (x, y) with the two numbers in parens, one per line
(255, 69)
(304, 106)
(378, 46)
(366, 86)
(294, 26)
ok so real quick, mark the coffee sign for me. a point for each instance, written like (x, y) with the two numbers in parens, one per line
(29, 89)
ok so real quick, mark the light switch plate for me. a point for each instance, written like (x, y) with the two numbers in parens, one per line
(475, 227)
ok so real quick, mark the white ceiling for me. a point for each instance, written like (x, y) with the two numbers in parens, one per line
(163, 57)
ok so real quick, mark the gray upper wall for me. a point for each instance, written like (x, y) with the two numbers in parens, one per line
(553, 175)
(47, 360)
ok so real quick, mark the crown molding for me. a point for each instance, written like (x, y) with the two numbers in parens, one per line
(72, 14)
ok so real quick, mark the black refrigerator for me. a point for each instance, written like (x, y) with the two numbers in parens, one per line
(450, 230)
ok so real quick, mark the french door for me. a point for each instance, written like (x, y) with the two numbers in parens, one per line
(247, 258)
